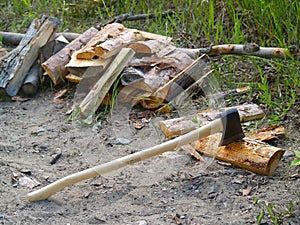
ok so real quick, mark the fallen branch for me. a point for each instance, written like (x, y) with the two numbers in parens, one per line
(10, 38)
(128, 17)
(247, 49)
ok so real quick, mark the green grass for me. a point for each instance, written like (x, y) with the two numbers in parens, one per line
(274, 83)
(276, 213)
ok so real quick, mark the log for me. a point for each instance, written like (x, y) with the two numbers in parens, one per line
(178, 126)
(87, 81)
(31, 83)
(55, 65)
(109, 41)
(249, 154)
(17, 63)
(182, 81)
(150, 46)
(94, 98)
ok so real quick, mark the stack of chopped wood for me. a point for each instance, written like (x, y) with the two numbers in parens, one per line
(152, 69)
(143, 67)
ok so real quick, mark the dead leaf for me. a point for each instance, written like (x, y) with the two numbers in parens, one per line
(247, 191)
(19, 99)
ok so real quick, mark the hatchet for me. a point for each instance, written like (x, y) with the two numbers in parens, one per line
(228, 123)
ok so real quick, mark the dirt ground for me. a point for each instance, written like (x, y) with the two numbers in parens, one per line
(155, 191)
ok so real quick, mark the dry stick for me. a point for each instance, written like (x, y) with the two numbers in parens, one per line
(129, 17)
(45, 192)
(10, 38)
(247, 49)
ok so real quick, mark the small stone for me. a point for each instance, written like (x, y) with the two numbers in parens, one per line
(141, 222)
(122, 141)
(97, 126)
(44, 146)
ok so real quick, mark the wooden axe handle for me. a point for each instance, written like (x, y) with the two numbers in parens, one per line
(45, 192)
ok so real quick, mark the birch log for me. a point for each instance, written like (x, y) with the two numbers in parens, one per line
(247, 49)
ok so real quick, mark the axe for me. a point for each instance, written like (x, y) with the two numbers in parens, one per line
(228, 123)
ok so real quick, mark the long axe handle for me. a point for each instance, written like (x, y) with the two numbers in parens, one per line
(204, 131)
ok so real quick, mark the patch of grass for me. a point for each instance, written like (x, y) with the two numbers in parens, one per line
(296, 161)
(273, 212)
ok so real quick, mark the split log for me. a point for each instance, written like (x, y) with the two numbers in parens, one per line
(109, 40)
(247, 49)
(10, 38)
(178, 126)
(55, 65)
(17, 63)
(94, 98)
(151, 46)
(248, 154)
(87, 81)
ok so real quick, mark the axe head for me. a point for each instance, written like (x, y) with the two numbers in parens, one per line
(232, 129)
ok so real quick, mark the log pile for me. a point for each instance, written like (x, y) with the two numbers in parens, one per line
(145, 68)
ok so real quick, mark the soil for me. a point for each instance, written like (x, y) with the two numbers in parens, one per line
(172, 188)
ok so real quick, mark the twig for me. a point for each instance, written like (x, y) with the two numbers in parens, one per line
(129, 17)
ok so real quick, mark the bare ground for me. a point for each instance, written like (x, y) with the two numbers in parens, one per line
(156, 191)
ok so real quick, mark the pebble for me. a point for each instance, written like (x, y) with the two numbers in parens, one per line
(141, 222)
(122, 141)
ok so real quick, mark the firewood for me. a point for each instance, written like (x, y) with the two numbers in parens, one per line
(248, 154)
(94, 98)
(182, 81)
(55, 65)
(73, 78)
(150, 46)
(178, 126)
(31, 83)
(88, 79)
(17, 63)
(109, 40)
